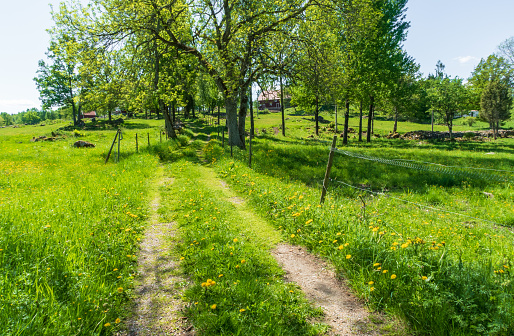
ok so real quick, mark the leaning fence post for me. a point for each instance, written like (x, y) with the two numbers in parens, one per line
(329, 167)
(110, 150)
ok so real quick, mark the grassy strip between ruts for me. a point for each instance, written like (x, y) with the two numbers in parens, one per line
(237, 285)
(455, 281)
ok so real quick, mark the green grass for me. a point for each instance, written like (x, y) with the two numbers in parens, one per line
(237, 286)
(452, 273)
(69, 228)
(69, 231)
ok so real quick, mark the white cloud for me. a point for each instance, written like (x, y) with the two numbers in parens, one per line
(17, 105)
(466, 59)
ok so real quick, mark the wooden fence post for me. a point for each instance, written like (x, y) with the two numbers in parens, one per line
(137, 149)
(110, 150)
(148, 139)
(119, 143)
(329, 167)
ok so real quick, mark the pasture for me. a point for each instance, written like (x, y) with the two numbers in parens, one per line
(429, 241)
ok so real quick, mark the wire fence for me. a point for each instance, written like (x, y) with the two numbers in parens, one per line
(417, 204)
(477, 173)
(480, 173)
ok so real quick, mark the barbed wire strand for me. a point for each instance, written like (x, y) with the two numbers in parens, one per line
(437, 168)
(418, 204)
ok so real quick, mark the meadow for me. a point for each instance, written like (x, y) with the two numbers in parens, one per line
(69, 231)
(432, 244)
(428, 243)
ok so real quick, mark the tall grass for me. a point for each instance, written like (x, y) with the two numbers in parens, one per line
(446, 274)
(69, 230)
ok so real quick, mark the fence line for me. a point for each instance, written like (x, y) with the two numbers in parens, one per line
(450, 170)
(417, 204)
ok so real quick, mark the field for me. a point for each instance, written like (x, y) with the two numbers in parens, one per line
(428, 240)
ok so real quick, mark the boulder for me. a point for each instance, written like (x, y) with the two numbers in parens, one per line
(82, 143)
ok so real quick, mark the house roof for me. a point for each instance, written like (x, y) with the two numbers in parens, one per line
(90, 114)
(269, 95)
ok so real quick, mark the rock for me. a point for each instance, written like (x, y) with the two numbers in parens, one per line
(81, 143)
(488, 194)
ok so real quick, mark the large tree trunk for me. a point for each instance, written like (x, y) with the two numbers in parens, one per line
(370, 118)
(346, 121)
(360, 121)
(449, 122)
(110, 115)
(231, 114)
(74, 111)
(282, 107)
(168, 122)
(373, 120)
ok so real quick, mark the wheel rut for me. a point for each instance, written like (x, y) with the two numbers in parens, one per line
(157, 304)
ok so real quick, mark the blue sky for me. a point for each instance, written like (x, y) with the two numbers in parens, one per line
(457, 32)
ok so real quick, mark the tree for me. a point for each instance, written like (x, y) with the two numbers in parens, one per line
(31, 116)
(374, 49)
(506, 50)
(59, 80)
(317, 65)
(496, 103)
(7, 118)
(447, 97)
(401, 94)
(223, 36)
(494, 68)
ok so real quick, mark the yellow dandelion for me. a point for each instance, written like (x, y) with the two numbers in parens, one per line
(120, 289)
(235, 240)
(242, 310)
(384, 271)
(348, 256)
(341, 247)
(308, 222)
(243, 261)
(371, 282)
(213, 306)
(292, 236)
(117, 320)
(393, 276)
(107, 324)
(424, 278)
(376, 264)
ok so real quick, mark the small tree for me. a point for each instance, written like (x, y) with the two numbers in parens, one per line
(496, 103)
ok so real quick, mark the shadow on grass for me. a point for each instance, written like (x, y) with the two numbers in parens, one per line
(307, 164)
